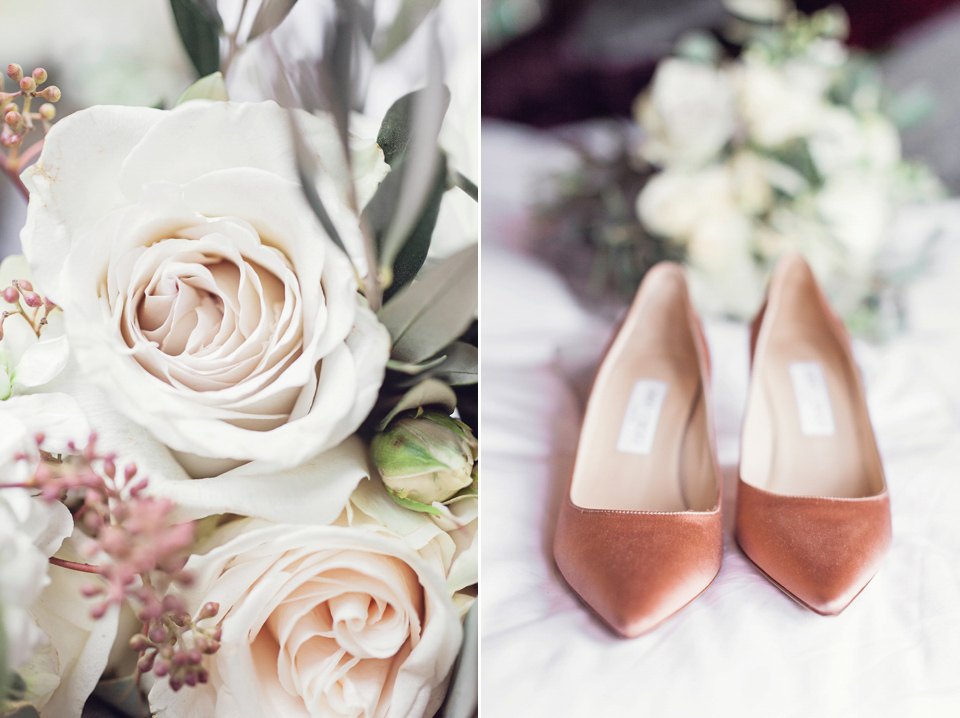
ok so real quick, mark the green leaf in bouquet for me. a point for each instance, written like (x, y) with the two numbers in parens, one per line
(307, 171)
(463, 691)
(433, 311)
(420, 160)
(269, 15)
(211, 87)
(467, 185)
(337, 71)
(427, 393)
(199, 25)
(380, 214)
(124, 695)
(396, 130)
(415, 369)
(412, 505)
(410, 15)
(458, 365)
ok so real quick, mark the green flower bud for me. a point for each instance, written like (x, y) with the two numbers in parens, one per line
(425, 457)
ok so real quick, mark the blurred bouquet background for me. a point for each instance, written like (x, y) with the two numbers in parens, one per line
(759, 133)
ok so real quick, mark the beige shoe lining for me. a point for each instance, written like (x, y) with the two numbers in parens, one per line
(776, 453)
(655, 342)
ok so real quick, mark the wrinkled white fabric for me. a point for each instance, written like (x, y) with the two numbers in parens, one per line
(742, 648)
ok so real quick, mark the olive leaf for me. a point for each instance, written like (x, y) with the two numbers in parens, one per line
(269, 15)
(379, 215)
(211, 87)
(306, 172)
(458, 365)
(396, 129)
(433, 311)
(410, 15)
(419, 158)
(199, 25)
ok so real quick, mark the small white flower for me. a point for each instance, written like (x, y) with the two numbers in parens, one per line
(775, 107)
(688, 114)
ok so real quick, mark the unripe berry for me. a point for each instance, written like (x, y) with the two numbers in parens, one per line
(15, 72)
(52, 93)
(48, 111)
(27, 84)
(39, 75)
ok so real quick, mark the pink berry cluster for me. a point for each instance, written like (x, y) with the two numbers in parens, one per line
(25, 303)
(172, 644)
(140, 551)
(18, 121)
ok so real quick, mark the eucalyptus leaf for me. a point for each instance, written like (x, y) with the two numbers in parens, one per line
(124, 695)
(337, 71)
(199, 25)
(461, 365)
(306, 172)
(427, 393)
(381, 211)
(463, 691)
(458, 365)
(211, 87)
(421, 158)
(433, 311)
(269, 15)
(467, 185)
(409, 17)
(396, 129)
(414, 369)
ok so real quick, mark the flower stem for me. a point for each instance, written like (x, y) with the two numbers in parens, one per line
(84, 567)
(10, 170)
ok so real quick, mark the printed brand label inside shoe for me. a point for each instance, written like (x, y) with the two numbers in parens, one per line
(640, 419)
(813, 400)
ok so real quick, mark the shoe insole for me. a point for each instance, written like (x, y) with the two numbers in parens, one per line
(807, 432)
(640, 438)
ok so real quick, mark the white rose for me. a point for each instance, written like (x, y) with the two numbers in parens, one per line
(319, 620)
(30, 355)
(857, 211)
(775, 106)
(673, 202)
(688, 114)
(843, 142)
(202, 295)
(725, 278)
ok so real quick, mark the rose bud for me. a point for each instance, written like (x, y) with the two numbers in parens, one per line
(426, 458)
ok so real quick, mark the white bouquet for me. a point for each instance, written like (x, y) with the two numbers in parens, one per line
(788, 146)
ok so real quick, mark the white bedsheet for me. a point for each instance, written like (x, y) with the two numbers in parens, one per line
(743, 647)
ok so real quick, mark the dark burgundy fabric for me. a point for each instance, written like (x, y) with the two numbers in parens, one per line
(538, 79)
